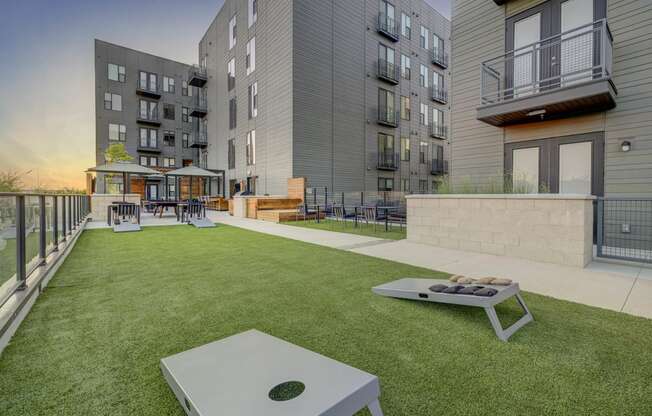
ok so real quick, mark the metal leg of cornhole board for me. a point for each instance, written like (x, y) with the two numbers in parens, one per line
(374, 408)
(504, 334)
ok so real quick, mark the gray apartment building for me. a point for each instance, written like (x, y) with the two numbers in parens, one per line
(149, 104)
(556, 93)
(351, 95)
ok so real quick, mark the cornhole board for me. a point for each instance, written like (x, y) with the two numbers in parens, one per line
(234, 376)
(202, 223)
(418, 289)
(125, 227)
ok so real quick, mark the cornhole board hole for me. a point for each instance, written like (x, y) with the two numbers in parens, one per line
(419, 289)
(255, 374)
(202, 223)
(125, 227)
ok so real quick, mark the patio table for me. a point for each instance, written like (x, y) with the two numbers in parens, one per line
(160, 206)
(238, 375)
(418, 289)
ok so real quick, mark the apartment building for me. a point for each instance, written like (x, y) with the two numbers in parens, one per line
(557, 94)
(153, 106)
(351, 95)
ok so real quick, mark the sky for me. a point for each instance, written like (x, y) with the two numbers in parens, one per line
(47, 120)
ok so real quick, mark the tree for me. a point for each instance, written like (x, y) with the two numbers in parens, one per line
(116, 152)
(10, 182)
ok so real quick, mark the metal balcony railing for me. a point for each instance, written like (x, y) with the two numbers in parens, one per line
(199, 139)
(148, 116)
(387, 26)
(388, 117)
(197, 76)
(439, 57)
(149, 89)
(574, 57)
(439, 167)
(438, 131)
(439, 94)
(199, 104)
(388, 71)
(388, 160)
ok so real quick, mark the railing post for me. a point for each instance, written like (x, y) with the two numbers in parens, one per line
(64, 232)
(42, 240)
(70, 226)
(600, 220)
(55, 225)
(21, 267)
(603, 48)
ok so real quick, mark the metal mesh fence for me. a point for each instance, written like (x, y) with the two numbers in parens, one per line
(625, 229)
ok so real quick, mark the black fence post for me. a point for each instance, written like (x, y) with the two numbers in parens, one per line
(70, 226)
(63, 219)
(342, 199)
(361, 198)
(55, 225)
(42, 237)
(21, 267)
(326, 196)
(314, 196)
(600, 219)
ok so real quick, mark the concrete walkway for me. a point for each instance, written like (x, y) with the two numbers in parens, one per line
(617, 287)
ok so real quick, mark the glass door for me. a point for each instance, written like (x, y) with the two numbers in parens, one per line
(525, 170)
(575, 167)
(576, 45)
(527, 31)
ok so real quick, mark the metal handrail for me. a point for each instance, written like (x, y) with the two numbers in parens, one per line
(387, 116)
(388, 25)
(439, 56)
(439, 93)
(543, 71)
(388, 70)
(439, 130)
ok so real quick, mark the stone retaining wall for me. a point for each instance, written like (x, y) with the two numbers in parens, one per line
(548, 228)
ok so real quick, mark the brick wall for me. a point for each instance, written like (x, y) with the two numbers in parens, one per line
(548, 228)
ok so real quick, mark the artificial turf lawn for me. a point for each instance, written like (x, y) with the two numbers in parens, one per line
(92, 343)
(394, 233)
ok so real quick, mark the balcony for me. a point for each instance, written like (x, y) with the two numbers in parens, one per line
(388, 117)
(149, 90)
(230, 82)
(150, 118)
(387, 27)
(197, 76)
(148, 148)
(199, 141)
(199, 107)
(439, 57)
(439, 131)
(439, 94)
(388, 71)
(439, 167)
(388, 160)
(562, 76)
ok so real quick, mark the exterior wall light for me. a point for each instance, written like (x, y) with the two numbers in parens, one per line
(626, 146)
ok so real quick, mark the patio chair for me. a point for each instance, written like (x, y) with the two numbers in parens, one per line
(339, 214)
(370, 214)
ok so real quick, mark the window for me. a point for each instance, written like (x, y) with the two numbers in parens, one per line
(423, 76)
(117, 132)
(172, 191)
(168, 111)
(168, 138)
(253, 12)
(185, 89)
(406, 67)
(435, 185)
(423, 186)
(251, 148)
(168, 84)
(437, 81)
(232, 32)
(230, 70)
(385, 184)
(184, 115)
(112, 101)
(405, 185)
(386, 58)
(423, 40)
(232, 154)
(423, 152)
(153, 161)
(385, 144)
(117, 73)
(185, 140)
(406, 26)
(148, 110)
(405, 108)
(143, 160)
(233, 108)
(251, 56)
(437, 45)
(253, 100)
(169, 162)
(148, 81)
(386, 106)
(423, 114)
(148, 138)
(437, 118)
(405, 149)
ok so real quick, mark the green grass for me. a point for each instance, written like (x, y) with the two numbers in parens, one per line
(394, 233)
(92, 343)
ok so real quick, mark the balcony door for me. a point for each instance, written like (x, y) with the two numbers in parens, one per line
(527, 34)
(576, 45)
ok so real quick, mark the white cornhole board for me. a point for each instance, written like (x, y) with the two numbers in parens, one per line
(419, 289)
(125, 227)
(234, 376)
(202, 223)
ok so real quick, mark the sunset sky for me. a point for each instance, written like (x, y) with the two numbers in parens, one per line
(47, 123)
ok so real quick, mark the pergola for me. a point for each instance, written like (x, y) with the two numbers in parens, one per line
(126, 169)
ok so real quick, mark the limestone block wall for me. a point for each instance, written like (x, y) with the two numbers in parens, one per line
(549, 228)
(100, 203)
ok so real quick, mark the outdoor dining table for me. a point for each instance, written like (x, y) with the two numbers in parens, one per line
(162, 205)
